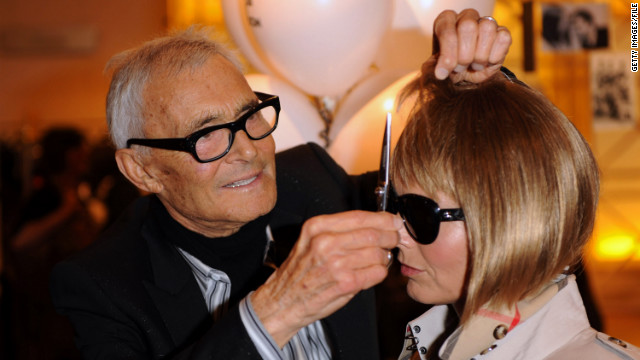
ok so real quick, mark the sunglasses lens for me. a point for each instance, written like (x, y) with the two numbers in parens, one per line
(419, 214)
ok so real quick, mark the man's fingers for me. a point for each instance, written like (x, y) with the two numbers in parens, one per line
(356, 260)
(337, 281)
(330, 244)
(313, 278)
(350, 221)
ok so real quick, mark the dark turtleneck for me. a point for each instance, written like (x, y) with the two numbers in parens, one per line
(239, 255)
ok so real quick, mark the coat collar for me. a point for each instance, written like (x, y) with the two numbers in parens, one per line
(558, 309)
(173, 287)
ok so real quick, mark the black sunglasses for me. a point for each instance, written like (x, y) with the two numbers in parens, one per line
(422, 216)
(213, 142)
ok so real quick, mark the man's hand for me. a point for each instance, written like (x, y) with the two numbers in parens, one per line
(468, 47)
(336, 257)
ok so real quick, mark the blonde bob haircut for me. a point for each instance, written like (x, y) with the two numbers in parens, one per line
(525, 178)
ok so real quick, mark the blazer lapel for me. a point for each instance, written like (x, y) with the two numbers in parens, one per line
(174, 290)
(352, 328)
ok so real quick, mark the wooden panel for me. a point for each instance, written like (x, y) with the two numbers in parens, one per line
(565, 81)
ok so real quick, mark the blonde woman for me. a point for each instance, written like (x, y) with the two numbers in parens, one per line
(498, 192)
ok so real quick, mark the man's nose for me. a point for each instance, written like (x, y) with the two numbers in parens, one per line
(243, 148)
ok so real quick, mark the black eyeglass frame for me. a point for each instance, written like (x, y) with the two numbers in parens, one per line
(188, 143)
(397, 206)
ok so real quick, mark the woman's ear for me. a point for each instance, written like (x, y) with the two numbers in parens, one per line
(131, 165)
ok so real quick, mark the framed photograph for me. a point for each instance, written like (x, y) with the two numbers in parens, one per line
(612, 90)
(575, 26)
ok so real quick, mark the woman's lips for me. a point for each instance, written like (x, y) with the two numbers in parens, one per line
(408, 270)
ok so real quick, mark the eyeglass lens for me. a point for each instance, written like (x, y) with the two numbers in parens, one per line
(217, 142)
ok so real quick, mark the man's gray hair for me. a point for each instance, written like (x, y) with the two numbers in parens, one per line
(134, 68)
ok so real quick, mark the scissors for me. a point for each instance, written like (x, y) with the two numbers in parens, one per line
(383, 188)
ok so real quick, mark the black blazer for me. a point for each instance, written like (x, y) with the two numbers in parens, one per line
(130, 295)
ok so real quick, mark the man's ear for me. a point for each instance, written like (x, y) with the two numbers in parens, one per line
(132, 167)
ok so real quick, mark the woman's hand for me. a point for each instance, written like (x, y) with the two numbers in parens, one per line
(468, 47)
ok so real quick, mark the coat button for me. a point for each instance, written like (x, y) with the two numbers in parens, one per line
(500, 331)
(416, 329)
(423, 350)
(617, 341)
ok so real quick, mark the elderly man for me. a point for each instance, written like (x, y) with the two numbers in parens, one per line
(221, 261)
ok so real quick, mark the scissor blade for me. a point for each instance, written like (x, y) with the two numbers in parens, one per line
(383, 174)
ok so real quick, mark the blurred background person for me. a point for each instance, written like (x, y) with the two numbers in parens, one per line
(111, 191)
(53, 223)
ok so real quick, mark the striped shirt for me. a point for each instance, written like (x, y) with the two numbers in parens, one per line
(309, 343)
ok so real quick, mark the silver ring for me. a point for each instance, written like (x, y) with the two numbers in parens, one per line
(490, 18)
(389, 258)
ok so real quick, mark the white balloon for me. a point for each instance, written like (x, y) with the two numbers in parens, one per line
(408, 42)
(403, 49)
(360, 95)
(426, 11)
(299, 120)
(321, 46)
(235, 20)
(357, 147)
(403, 16)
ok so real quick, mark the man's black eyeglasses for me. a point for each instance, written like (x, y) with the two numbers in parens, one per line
(422, 216)
(213, 142)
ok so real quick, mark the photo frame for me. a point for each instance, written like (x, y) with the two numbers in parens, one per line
(612, 90)
(574, 26)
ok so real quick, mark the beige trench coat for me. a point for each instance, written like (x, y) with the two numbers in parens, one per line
(558, 330)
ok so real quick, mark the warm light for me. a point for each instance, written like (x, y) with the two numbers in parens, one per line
(388, 105)
(183, 13)
(425, 4)
(616, 247)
